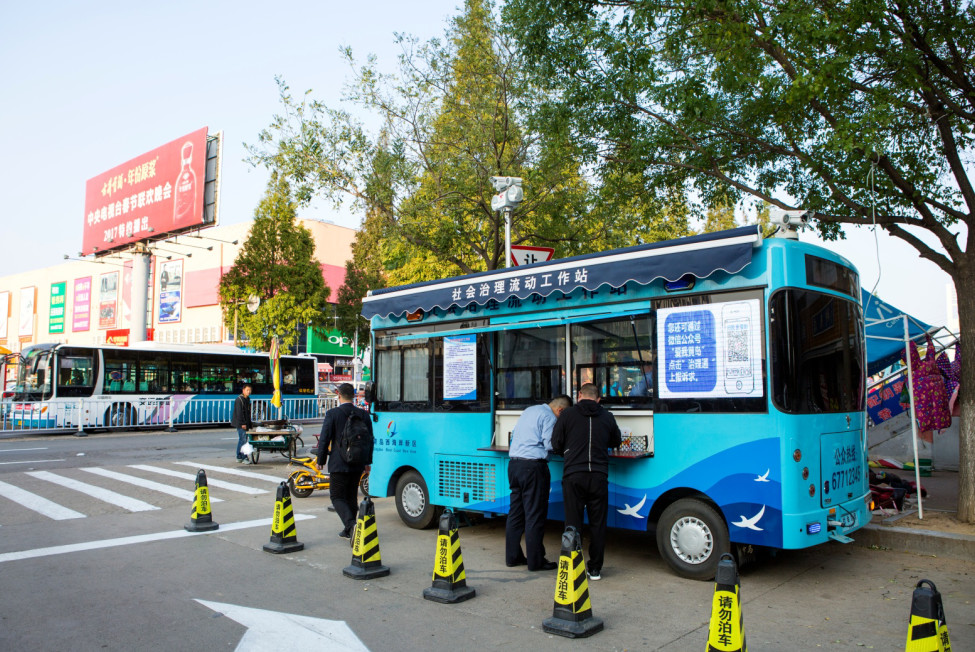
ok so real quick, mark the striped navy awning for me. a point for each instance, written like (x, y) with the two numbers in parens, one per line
(699, 255)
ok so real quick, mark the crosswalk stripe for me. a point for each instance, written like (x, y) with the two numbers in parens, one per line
(140, 538)
(123, 501)
(230, 486)
(42, 506)
(238, 472)
(147, 484)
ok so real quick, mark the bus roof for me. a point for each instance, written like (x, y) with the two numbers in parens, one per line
(699, 255)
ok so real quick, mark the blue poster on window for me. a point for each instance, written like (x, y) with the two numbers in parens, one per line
(460, 368)
(711, 351)
(690, 352)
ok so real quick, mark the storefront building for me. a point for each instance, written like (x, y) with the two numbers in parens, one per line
(90, 302)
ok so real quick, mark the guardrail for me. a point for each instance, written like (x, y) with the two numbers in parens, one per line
(171, 412)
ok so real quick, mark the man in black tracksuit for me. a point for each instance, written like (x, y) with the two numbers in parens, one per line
(582, 435)
(343, 477)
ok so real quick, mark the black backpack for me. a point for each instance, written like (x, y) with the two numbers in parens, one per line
(355, 441)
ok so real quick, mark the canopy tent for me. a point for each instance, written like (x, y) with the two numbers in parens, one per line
(885, 332)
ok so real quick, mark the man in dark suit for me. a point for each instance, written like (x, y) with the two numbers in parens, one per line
(241, 420)
(343, 477)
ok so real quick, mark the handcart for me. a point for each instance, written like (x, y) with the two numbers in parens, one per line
(276, 435)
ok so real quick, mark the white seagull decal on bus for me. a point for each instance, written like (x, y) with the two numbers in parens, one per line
(750, 522)
(763, 478)
(633, 511)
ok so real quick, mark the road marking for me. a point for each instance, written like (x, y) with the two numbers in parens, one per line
(17, 450)
(267, 629)
(141, 538)
(243, 474)
(148, 484)
(42, 506)
(32, 462)
(111, 497)
(192, 478)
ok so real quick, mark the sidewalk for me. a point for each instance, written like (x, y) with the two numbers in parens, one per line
(883, 531)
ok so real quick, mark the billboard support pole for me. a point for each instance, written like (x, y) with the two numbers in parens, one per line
(140, 294)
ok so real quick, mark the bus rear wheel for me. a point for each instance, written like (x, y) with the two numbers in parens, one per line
(119, 415)
(413, 501)
(691, 537)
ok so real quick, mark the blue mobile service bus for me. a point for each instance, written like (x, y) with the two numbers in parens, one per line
(733, 364)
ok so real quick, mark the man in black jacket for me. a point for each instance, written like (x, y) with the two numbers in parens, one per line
(343, 477)
(241, 420)
(582, 435)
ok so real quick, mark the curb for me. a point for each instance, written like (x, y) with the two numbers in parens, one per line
(923, 542)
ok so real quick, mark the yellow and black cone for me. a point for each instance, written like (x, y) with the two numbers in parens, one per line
(284, 535)
(201, 520)
(572, 616)
(727, 629)
(928, 630)
(449, 579)
(366, 560)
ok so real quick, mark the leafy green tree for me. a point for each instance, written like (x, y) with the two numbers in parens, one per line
(861, 111)
(277, 264)
(455, 114)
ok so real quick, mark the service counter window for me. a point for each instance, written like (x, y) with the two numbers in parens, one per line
(461, 374)
(616, 355)
(530, 366)
(403, 375)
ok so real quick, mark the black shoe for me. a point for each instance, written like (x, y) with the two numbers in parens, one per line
(546, 566)
(518, 562)
(344, 535)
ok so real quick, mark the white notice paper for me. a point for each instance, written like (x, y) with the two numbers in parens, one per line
(460, 368)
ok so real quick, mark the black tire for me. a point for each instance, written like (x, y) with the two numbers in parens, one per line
(301, 484)
(256, 455)
(364, 484)
(691, 537)
(119, 416)
(413, 501)
(292, 451)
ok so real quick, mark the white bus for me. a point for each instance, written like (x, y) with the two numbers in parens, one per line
(73, 386)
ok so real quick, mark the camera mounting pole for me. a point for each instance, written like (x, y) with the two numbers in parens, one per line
(509, 197)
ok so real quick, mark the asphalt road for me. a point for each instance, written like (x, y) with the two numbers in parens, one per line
(125, 575)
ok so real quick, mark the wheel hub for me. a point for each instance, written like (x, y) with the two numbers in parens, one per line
(413, 500)
(691, 540)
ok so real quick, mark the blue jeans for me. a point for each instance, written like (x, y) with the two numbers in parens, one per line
(241, 440)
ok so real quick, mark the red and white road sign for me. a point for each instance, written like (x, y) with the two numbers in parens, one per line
(525, 255)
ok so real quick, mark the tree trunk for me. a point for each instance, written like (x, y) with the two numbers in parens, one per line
(965, 290)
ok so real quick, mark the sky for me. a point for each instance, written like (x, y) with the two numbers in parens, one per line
(88, 86)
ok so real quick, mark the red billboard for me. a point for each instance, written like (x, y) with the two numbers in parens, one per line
(148, 197)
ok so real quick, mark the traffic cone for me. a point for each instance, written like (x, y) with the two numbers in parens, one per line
(727, 630)
(449, 580)
(366, 560)
(201, 520)
(284, 537)
(572, 616)
(928, 630)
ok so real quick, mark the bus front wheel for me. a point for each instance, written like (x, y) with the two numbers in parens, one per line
(691, 537)
(413, 501)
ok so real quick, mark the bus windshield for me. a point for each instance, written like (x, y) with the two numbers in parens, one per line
(34, 376)
(818, 352)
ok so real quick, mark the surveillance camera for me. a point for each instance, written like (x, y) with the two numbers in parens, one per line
(791, 218)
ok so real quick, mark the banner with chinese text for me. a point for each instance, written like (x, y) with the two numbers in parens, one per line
(59, 295)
